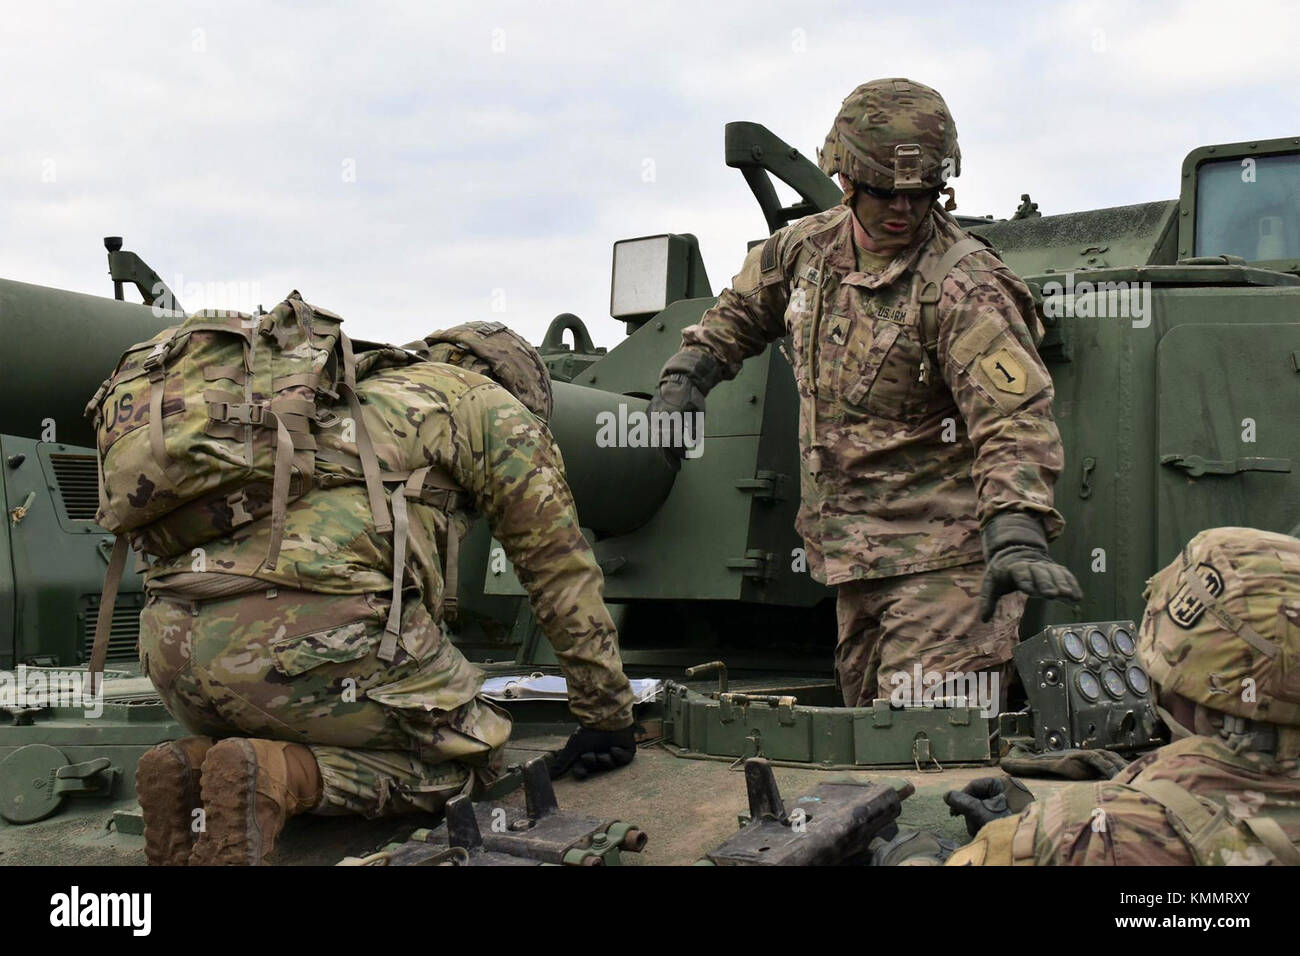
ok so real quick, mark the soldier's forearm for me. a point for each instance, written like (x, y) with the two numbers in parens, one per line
(1017, 461)
(730, 332)
(567, 599)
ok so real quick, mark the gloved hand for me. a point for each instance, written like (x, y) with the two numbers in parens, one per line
(684, 381)
(986, 799)
(1072, 764)
(1015, 549)
(593, 751)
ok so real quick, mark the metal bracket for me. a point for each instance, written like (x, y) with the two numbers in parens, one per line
(922, 754)
(767, 486)
(1196, 466)
(831, 825)
(765, 801)
(756, 563)
(93, 777)
(757, 152)
(491, 835)
(124, 267)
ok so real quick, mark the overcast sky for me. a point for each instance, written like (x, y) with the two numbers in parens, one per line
(421, 164)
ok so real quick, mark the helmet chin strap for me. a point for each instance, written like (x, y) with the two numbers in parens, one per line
(1176, 729)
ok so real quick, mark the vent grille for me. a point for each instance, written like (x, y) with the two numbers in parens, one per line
(122, 635)
(78, 480)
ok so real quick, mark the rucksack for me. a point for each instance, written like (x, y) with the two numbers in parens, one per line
(208, 426)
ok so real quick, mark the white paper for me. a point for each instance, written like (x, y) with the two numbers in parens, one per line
(548, 687)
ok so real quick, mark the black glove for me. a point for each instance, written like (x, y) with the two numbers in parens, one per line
(1071, 764)
(593, 751)
(1015, 548)
(986, 799)
(685, 380)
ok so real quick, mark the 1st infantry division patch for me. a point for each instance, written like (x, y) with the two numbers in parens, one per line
(1004, 371)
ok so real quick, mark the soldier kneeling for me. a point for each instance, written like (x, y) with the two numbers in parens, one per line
(328, 683)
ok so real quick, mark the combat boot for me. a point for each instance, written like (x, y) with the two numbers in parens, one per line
(167, 786)
(250, 787)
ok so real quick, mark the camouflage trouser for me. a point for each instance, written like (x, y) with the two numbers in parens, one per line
(303, 667)
(889, 625)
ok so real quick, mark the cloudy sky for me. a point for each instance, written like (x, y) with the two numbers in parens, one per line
(413, 164)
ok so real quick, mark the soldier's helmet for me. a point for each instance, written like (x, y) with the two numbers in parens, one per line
(893, 134)
(504, 356)
(1222, 624)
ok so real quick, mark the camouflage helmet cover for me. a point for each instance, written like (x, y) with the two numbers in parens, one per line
(1222, 624)
(893, 134)
(501, 354)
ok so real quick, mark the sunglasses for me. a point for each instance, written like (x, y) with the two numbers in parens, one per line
(888, 194)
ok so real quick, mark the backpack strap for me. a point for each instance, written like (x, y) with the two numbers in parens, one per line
(104, 623)
(365, 449)
(279, 489)
(1194, 821)
(1178, 801)
(1270, 833)
(439, 490)
(393, 629)
(432, 487)
(932, 279)
(155, 366)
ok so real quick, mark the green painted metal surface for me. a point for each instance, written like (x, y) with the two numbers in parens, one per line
(776, 726)
(57, 557)
(62, 346)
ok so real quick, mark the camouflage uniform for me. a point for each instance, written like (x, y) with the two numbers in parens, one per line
(1235, 797)
(902, 460)
(300, 658)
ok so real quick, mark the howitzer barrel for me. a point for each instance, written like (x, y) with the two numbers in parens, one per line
(618, 482)
(61, 346)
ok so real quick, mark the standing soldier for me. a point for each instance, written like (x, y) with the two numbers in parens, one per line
(927, 445)
(330, 677)
(1221, 640)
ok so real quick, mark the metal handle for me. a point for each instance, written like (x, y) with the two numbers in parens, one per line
(1196, 466)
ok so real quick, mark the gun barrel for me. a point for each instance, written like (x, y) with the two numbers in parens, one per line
(618, 480)
(62, 345)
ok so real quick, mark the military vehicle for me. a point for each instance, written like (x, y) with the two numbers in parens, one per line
(1173, 337)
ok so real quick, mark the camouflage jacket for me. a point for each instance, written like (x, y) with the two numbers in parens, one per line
(1113, 823)
(506, 462)
(901, 463)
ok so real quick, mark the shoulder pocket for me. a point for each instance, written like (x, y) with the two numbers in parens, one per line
(1001, 368)
(762, 268)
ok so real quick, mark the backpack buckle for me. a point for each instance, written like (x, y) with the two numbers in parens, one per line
(155, 362)
(239, 414)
